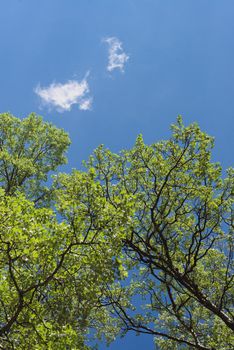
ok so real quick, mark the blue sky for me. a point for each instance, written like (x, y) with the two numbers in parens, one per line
(170, 57)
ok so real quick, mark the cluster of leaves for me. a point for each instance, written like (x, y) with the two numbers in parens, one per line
(29, 150)
(180, 244)
(55, 263)
(159, 218)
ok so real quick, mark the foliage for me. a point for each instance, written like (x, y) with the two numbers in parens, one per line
(54, 263)
(29, 150)
(180, 244)
(142, 241)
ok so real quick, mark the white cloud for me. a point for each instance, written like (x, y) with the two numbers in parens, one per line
(86, 104)
(117, 57)
(63, 96)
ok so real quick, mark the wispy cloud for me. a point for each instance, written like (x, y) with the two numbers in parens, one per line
(63, 96)
(86, 104)
(117, 57)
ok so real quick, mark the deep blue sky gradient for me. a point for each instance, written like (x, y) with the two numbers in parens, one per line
(181, 62)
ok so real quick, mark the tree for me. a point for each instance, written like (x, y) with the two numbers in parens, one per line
(29, 150)
(152, 224)
(54, 261)
(179, 246)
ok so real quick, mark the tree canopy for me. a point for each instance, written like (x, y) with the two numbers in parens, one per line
(141, 241)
